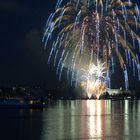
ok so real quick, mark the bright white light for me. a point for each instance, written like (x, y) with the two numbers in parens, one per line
(94, 80)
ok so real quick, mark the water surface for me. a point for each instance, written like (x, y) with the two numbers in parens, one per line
(77, 119)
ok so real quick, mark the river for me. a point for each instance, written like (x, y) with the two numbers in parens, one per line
(76, 119)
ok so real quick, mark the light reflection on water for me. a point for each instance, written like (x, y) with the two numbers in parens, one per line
(86, 119)
(92, 119)
(94, 110)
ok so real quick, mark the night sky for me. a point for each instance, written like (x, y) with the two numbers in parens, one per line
(22, 57)
(23, 60)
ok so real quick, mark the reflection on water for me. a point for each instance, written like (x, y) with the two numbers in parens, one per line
(87, 119)
(94, 110)
(92, 119)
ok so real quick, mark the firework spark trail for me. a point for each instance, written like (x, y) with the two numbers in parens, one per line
(124, 34)
(116, 40)
(49, 33)
(126, 56)
(58, 4)
(61, 16)
(138, 67)
(112, 62)
(137, 12)
(60, 61)
(134, 68)
(57, 41)
(129, 56)
(77, 20)
(139, 46)
(88, 3)
(108, 82)
(125, 11)
(129, 1)
(102, 11)
(133, 39)
(106, 6)
(75, 55)
(93, 31)
(63, 66)
(136, 22)
(137, 58)
(126, 79)
(53, 48)
(78, 1)
(97, 38)
(61, 40)
(56, 54)
(96, 5)
(47, 27)
(118, 24)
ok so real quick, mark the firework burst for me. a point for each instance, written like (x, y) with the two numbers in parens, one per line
(94, 80)
(81, 33)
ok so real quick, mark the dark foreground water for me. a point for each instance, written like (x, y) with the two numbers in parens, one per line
(60, 120)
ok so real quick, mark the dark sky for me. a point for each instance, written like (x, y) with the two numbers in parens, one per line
(23, 60)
